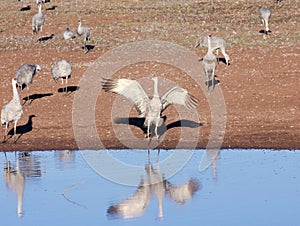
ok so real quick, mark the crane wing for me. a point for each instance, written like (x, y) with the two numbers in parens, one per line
(178, 95)
(181, 194)
(133, 206)
(130, 89)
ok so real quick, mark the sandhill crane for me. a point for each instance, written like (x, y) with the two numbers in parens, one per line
(12, 111)
(151, 109)
(68, 34)
(210, 63)
(153, 183)
(61, 69)
(15, 181)
(25, 74)
(38, 20)
(216, 44)
(264, 15)
(84, 32)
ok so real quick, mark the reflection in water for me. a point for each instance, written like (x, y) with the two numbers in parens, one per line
(65, 159)
(30, 164)
(153, 183)
(15, 181)
(210, 157)
(25, 165)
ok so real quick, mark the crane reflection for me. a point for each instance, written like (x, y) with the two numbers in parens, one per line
(25, 165)
(15, 181)
(153, 183)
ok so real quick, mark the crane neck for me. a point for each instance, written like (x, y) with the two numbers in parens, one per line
(40, 8)
(155, 93)
(209, 44)
(15, 92)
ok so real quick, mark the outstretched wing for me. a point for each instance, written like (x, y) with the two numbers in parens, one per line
(133, 206)
(130, 89)
(181, 194)
(178, 95)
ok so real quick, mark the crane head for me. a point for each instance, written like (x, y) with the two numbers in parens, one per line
(38, 68)
(14, 81)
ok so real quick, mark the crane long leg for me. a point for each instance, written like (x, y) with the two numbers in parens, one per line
(27, 88)
(5, 132)
(66, 85)
(148, 135)
(15, 130)
(213, 79)
(156, 133)
(62, 82)
(157, 158)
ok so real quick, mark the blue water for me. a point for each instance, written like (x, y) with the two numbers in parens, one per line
(243, 187)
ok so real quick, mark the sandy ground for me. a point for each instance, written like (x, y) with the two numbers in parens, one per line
(260, 86)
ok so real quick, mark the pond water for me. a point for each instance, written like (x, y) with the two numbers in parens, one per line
(242, 187)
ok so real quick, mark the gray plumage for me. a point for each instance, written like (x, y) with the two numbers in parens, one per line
(61, 69)
(12, 111)
(84, 32)
(150, 109)
(25, 74)
(210, 63)
(68, 34)
(38, 20)
(264, 15)
(216, 44)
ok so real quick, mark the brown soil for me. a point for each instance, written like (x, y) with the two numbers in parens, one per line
(260, 86)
